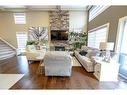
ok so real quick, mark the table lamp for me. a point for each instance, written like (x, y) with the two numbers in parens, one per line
(102, 48)
(106, 46)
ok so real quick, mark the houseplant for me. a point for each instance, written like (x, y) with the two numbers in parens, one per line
(76, 40)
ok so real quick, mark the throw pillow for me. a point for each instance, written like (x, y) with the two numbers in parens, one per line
(89, 53)
(37, 47)
(85, 48)
(83, 53)
(31, 48)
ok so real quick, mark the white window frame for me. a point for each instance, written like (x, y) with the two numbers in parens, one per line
(17, 41)
(119, 33)
(19, 18)
(100, 27)
(96, 10)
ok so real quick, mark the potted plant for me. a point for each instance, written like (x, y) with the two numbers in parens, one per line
(77, 39)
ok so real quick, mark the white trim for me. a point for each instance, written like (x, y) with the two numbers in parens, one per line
(8, 43)
(118, 33)
(99, 27)
(22, 32)
(97, 13)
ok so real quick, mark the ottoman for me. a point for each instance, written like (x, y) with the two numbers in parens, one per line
(57, 63)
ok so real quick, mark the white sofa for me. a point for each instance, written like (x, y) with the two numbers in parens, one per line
(33, 54)
(86, 60)
(57, 63)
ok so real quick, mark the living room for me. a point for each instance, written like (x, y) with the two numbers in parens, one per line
(81, 72)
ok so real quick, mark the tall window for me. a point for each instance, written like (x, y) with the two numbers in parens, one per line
(96, 10)
(21, 41)
(97, 35)
(20, 18)
(121, 46)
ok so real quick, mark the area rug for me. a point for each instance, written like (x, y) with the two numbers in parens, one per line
(8, 80)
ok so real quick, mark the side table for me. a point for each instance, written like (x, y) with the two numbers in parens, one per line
(105, 71)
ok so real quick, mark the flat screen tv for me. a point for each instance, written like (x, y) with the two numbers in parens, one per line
(59, 35)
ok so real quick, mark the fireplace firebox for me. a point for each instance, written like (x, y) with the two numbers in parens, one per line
(59, 48)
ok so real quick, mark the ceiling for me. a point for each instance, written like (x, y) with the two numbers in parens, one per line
(43, 8)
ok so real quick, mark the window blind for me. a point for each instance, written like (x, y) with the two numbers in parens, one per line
(96, 36)
(19, 18)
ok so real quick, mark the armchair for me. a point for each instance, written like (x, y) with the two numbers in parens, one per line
(33, 54)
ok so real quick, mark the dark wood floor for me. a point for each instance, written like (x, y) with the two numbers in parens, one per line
(80, 79)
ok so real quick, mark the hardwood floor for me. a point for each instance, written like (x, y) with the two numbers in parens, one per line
(80, 79)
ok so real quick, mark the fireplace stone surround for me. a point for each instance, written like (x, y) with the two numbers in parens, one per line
(59, 20)
(58, 45)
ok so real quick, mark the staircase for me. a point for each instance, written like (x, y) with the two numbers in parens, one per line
(6, 51)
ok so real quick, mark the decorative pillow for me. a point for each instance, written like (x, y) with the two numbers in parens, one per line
(31, 48)
(89, 52)
(83, 53)
(85, 48)
(37, 47)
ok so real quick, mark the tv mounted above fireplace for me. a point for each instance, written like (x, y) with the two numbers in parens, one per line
(59, 35)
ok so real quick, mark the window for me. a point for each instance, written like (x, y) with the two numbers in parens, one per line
(97, 35)
(96, 10)
(21, 41)
(121, 46)
(19, 18)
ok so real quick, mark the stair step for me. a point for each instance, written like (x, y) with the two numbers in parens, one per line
(7, 56)
(5, 49)
(6, 52)
(1, 44)
(1, 47)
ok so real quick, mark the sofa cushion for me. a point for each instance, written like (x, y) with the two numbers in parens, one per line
(89, 53)
(85, 61)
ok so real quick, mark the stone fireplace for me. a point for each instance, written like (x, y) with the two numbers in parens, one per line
(59, 48)
(59, 20)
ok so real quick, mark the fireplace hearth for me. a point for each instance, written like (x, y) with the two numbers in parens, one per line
(59, 48)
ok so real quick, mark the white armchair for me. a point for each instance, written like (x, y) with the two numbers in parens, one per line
(33, 54)
(58, 63)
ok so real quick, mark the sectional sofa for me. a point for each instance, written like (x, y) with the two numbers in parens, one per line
(86, 60)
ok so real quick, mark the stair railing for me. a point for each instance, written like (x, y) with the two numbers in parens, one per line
(8, 43)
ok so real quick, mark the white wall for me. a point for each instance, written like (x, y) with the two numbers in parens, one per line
(77, 20)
